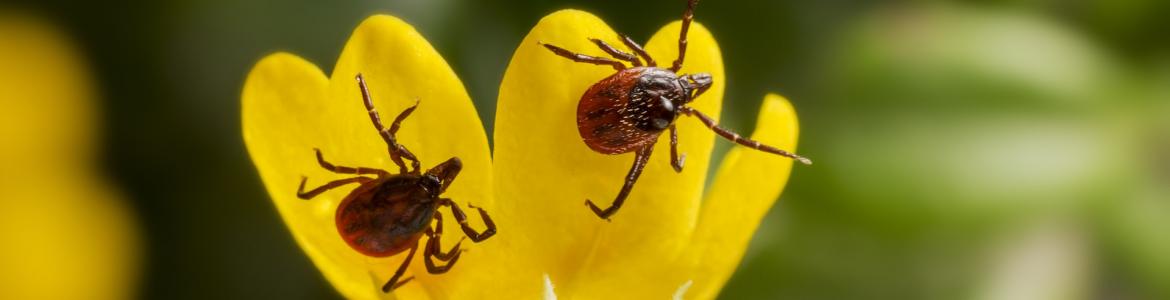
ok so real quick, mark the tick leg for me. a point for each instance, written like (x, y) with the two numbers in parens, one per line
(447, 171)
(394, 283)
(639, 50)
(397, 151)
(643, 155)
(462, 218)
(585, 58)
(401, 150)
(688, 16)
(676, 160)
(619, 54)
(348, 170)
(434, 244)
(432, 252)
(735, 137)
(328, 186)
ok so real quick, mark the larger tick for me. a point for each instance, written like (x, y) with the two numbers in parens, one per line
(629, 110)
(388, 214)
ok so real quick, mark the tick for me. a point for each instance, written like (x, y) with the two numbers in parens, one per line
(629, 110)
(389, 213)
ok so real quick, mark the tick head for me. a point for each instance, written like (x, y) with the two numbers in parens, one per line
(432, 184)
(436, 179)
(695, 84)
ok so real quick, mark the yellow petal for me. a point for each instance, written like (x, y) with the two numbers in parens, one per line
(746, 185)
(290, 108)
(547, 172)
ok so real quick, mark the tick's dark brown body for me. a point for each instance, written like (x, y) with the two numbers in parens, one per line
(627, 111)
(385, 216)
(390, 213)
(622, 112)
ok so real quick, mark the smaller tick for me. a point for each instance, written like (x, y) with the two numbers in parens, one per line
(389, 213)
(629, 110)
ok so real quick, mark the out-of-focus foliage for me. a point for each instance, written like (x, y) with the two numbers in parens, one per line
(951, 135)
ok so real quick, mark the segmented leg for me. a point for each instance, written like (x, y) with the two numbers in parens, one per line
(397, 151)
(676, 160)
(462, 218)
(688, 17)
(435, 244)
(348, 170)
(328, 186)
(643, 155)
(394, 283)
(735, 137)
(639, 50)
(585, 58)
(619, 54)
(432, 252)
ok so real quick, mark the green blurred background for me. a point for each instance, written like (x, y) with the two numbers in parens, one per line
(965, 149)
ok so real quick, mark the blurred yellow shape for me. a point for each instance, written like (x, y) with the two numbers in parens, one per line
(667, 240)
(65, 233)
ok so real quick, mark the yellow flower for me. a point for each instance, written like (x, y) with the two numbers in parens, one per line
(66, 234)
(290, 107)
(669, 239)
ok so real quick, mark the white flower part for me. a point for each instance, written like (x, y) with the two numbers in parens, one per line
(682, 290)
(549, 294)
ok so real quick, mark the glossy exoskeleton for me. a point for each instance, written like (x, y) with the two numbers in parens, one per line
(629, 110)
(389, 213)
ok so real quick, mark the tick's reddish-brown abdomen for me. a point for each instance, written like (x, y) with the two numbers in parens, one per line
(602, 118)
(385, 216)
